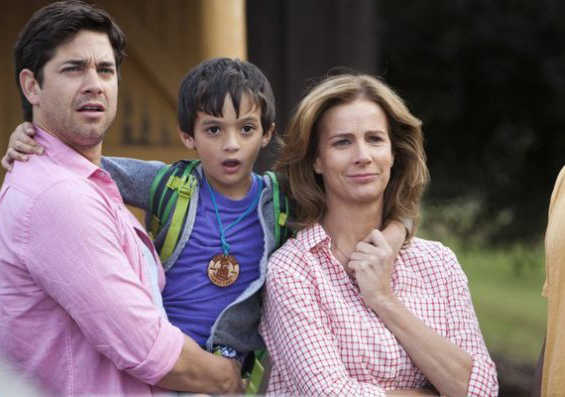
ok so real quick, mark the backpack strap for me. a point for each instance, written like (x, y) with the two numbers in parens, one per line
(172, 189)
(280, 204)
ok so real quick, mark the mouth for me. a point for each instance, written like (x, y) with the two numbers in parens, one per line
(231, 165)
(91, 108)
(364, 177)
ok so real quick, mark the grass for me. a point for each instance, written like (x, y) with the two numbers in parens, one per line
(506, 288)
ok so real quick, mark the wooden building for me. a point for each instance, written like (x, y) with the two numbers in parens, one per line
(292, 41)
(164, 40)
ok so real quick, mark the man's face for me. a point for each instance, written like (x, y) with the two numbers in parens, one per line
(78, 98)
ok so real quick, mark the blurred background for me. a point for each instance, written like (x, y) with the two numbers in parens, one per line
(486, 78)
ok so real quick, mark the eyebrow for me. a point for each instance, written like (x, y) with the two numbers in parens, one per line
(341, 135)
(350, 134)
(250, 118)
(84, 62)
(220, 120)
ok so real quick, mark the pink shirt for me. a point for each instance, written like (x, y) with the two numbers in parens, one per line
(324, 340)
(76, 311)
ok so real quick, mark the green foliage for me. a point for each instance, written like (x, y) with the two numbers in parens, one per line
(486, 78)
(509, 305)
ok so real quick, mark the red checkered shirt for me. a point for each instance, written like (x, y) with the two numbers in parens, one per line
(324, 340)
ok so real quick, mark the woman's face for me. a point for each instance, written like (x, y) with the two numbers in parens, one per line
(354, 153)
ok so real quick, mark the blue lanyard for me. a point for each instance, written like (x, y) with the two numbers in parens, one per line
(251, 207)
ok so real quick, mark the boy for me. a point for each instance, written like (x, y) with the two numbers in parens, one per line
(216, 265)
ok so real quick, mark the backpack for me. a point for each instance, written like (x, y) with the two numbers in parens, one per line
(172, 189)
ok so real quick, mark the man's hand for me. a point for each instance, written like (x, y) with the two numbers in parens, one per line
(21, 145)
(198, 371)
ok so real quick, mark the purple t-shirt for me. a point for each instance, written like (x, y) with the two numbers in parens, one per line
(191, 300)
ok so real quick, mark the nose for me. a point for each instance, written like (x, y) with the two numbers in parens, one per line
(231, 141)
(362, 155)
(92, 82)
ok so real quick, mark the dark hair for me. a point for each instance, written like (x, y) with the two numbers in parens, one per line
(205, 87)
(56, 24)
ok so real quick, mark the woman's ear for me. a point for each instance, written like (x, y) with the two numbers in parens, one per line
(317, 167)
(187, 139)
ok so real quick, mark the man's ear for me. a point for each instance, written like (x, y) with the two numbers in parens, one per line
(186, 139)
(267, 135)
(30, 86)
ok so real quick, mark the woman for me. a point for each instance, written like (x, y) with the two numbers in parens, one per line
(343, 316)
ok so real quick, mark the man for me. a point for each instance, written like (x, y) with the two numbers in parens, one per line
(551, 366)
(80, 308)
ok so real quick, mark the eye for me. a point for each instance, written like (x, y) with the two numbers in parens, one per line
(248, 129)
(69, 69)
(106, 71)
(341, 142)
(214, 130)
(375, 138)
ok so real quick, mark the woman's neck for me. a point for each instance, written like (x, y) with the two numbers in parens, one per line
(349, 225)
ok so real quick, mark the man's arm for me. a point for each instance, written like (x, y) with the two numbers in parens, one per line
(199, 371)
(81, 263)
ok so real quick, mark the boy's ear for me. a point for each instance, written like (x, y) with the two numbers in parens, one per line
(186, 139)
(267, 135)
(30, 86)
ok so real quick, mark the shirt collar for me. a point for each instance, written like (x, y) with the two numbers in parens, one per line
(64, 155)
(313, 236)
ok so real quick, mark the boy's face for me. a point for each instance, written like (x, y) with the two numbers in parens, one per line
(228, 146)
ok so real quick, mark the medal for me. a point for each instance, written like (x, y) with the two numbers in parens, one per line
(223, 269)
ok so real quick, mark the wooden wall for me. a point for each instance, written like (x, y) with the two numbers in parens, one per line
(164, 40)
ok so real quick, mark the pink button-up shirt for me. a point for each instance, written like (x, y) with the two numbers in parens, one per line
(76, 311)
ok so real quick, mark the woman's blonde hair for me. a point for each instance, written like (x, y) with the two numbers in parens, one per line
(299, 149)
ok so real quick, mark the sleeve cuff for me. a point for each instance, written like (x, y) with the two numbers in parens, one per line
(163, 355)
(482, 382)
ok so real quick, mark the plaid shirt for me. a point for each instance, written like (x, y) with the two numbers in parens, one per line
(324, 340)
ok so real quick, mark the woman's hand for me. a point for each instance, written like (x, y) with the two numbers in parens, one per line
(372, 264)
(20, 145)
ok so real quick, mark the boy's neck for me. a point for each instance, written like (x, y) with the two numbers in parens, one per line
(235, 192)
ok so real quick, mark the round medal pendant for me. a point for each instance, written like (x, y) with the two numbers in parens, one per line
(223, 270)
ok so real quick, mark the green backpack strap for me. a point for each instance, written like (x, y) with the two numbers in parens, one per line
(280, 204)
(257, 373)
(154, 223)
(172, 189)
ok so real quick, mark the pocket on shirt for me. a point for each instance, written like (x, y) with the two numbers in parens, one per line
(368, 350)
(432, 310)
